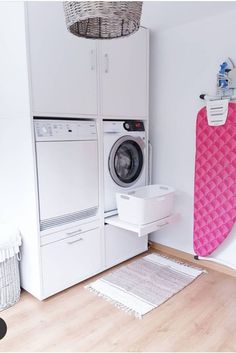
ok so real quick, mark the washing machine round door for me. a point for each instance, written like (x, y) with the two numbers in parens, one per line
(126, 160)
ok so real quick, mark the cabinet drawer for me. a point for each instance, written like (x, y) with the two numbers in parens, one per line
(71, 260)
(68, 232)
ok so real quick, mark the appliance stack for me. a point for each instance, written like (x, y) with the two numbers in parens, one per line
(81, 136)
(59, 128)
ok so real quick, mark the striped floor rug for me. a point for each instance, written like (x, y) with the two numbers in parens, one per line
(144, 284)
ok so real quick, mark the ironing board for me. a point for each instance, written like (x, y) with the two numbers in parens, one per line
(215, 182)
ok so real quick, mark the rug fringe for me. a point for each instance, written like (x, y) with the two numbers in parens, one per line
(117, 304)
(180, 262)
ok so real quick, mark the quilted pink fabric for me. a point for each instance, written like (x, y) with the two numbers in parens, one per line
(215, 182)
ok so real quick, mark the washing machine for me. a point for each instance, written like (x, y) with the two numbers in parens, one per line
(125, 159)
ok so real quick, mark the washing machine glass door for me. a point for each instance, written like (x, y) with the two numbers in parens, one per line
(126, 160)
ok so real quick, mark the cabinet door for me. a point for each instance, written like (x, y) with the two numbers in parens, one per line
(124, 73)
(70, 260)
(63, 66)
(122, 244)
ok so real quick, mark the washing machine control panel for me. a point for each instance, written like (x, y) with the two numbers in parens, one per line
(133, 125)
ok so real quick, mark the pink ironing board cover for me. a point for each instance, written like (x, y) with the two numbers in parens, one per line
(215, 182)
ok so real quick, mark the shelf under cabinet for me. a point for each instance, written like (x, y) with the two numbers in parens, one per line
(144, 229)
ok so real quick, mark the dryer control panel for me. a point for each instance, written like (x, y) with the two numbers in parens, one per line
(64, 130)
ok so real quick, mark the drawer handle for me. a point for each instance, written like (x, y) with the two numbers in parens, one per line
(74, 241)
(75, 232)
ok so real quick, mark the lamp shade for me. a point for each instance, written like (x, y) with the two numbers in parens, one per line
(102, 19)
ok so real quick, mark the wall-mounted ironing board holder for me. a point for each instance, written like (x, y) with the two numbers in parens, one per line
(217, 106)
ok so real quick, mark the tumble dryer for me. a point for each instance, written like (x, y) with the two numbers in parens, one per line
(67, 171)
(125, 159)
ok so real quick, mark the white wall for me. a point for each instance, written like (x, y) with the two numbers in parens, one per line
(13, 90)
(184, 63)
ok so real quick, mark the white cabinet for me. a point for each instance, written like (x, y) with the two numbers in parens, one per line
(66, 70)
(124, 76)
(70, 260)
(63, 67)
(122, 244)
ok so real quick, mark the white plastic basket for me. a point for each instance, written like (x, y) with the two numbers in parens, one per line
(146, 204)
(10, 242)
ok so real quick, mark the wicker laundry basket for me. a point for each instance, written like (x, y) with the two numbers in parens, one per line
(102, 19)
(10, 241)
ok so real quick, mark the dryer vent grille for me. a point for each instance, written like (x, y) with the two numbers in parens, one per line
(68, 218)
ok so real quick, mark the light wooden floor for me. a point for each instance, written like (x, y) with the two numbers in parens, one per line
(202, 317)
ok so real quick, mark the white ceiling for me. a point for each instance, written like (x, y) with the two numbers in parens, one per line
(159, 15)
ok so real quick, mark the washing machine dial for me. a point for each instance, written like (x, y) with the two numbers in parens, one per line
(127, 126)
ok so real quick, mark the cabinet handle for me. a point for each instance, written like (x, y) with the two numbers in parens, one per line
(92, 60)
(74, 241)
(75, 232)
(149, 163)
(106, 63)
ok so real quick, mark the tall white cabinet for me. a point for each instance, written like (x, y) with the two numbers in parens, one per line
(124, 76)
(63, 69)
(48, 72)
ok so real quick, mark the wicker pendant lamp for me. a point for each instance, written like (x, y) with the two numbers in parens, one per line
(102, 19)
